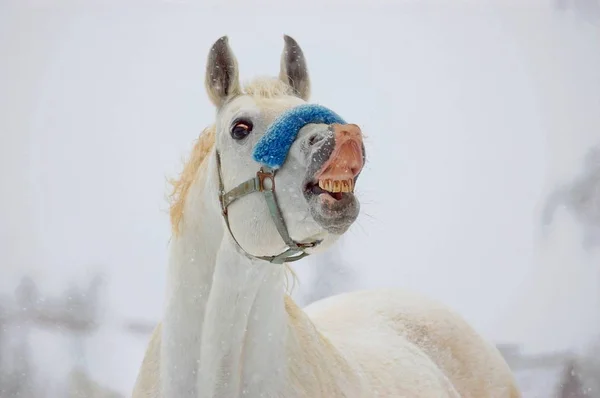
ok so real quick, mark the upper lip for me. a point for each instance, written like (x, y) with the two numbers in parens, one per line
(351, 165)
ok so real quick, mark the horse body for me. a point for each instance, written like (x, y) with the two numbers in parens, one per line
(230, 330)
(411, 346)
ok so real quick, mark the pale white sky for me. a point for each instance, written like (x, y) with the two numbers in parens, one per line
(472, 114)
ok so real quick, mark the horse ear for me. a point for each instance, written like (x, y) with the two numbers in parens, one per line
(293, 70)
(222, 75)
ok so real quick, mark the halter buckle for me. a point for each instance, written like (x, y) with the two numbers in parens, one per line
(264, 176)
(308, 245)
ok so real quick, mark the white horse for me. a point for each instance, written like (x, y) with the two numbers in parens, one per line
(229, 329)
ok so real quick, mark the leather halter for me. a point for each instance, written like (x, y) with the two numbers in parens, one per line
(264, 182)
(271, 151)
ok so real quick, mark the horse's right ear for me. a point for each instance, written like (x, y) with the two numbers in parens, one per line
(222, 75)
(293, 70)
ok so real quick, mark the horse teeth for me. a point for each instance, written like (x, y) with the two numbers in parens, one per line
(335, 186)
(345, 186)
(348, 185)
(324, 184)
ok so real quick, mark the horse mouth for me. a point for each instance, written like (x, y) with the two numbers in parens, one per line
(331, 176)
(332, 203)
(334, 189)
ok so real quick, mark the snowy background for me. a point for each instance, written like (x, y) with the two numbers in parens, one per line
(475, 112)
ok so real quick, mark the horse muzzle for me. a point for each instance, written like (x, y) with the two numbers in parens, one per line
(336, 158)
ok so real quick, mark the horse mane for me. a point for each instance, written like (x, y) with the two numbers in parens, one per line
(267, 88)
(181, 185)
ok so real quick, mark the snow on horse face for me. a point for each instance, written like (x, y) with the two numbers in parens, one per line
(317, 162)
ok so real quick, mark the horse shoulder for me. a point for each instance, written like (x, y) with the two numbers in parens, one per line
(147, 383)
(405, 328)
(315, 367)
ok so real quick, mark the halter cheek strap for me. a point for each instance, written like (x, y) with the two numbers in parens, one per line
(264, 182)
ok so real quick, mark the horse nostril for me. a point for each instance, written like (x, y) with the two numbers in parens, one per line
(315, 139)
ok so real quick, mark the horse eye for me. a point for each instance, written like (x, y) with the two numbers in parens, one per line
(241, 129)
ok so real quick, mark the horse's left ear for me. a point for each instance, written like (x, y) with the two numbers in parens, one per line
(293, 69)
(222, 76)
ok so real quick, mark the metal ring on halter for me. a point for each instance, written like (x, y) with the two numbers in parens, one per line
(264, 182)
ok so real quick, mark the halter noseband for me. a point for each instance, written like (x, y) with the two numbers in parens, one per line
(271, 150)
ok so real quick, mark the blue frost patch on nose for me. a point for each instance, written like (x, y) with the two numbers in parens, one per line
(272, 149)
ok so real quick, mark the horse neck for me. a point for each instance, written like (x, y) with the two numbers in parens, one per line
(225, 324)
(243, 345)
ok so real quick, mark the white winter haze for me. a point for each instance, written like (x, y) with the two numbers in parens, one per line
(473, 114)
